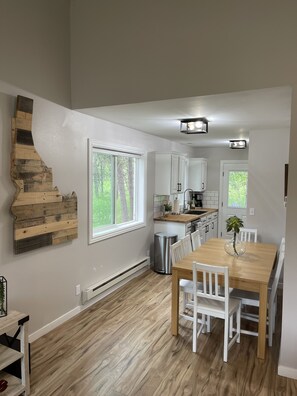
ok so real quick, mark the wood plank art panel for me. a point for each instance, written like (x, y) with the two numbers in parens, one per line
(42, 215)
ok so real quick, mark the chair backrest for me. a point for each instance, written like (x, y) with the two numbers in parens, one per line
(248, 234)
(196, 239)
(279, 267)
(177, 252)
(187, 245)
(209, 276)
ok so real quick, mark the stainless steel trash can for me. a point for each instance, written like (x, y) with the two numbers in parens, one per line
(162, 257)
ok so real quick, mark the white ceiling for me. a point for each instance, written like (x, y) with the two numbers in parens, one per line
(230, 116)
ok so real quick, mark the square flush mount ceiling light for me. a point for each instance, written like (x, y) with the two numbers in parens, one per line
(237, 144)
(194, 125)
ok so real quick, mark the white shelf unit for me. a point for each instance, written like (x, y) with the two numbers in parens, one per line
(16, 386)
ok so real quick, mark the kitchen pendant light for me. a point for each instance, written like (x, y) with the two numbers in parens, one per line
(237, 144)
(194, 125)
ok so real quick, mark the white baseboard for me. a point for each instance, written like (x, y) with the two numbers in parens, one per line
(55, 323)
(70, 314)
(287, 372)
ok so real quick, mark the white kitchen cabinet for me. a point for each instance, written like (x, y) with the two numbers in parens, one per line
(197, 174)
(170, 172)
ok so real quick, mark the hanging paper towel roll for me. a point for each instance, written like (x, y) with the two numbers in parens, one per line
(176, 206)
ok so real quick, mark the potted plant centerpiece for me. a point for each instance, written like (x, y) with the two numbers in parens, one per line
(234, 246)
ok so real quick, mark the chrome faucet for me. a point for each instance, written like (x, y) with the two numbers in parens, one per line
(184, 206)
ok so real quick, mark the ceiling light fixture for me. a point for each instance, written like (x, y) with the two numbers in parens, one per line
(237, 144)
(194, 125)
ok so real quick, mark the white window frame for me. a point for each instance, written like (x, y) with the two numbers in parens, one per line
(140, 193)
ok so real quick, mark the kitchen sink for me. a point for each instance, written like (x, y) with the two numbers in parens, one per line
(195, 212)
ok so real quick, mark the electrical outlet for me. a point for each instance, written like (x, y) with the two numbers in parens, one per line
(252, 211)
(77, 290)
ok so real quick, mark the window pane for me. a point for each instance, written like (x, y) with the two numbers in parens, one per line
(237, 189)
(117, 199)
(102, 189)
(125, 182)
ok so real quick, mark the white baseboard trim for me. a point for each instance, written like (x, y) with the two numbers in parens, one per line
(287, 372)
(70, 314)
(55, 323)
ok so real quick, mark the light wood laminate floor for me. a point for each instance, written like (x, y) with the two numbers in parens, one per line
(123, 345)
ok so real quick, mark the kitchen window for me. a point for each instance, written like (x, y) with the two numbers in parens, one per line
(116, 190)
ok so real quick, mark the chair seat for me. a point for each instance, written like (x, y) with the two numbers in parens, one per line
(217, 308)
(247, 298)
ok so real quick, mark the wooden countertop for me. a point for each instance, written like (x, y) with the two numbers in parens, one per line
(185, 218)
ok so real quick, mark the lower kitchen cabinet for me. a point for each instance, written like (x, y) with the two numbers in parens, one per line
(174, 228)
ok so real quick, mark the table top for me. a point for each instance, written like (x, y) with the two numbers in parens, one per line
(254, 265)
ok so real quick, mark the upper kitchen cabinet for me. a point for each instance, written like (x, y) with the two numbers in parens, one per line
(170, 173)
(197, 174)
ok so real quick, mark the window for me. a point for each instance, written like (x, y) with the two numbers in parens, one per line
(116, 191)
(237, 189)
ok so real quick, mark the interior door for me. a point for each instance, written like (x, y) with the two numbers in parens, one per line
(233, 192)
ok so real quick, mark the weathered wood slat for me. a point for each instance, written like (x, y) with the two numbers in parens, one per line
(48, 209)
(37, 197)
(44, 229)
(42, 216)
(25, 245)
(22, 151)
(24, 104)
(64, 236)
(22, 114)
(37, 186)
(24, 137)
(60, 217)
(23, 123)
(19, 225)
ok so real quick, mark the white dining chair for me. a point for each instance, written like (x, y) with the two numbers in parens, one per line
(252, 299)
(187, 244)
(186, 286)
(248, 234)
(196, 239)
(209, 301)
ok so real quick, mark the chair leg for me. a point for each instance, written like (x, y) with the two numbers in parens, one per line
(194, 346)
(231, 327)
(238, 319)
(226, 335)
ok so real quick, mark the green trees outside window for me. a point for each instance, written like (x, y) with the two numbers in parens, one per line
(237, 189)
(113, 189)
(116, 191)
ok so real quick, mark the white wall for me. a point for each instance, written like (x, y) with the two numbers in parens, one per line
(35, 47)
(268, 154)
(288, 351)
(214, 155)
(136, 51)
(42, 282)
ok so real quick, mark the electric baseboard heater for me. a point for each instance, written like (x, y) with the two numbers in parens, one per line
(102, 286)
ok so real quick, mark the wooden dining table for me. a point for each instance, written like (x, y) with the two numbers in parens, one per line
(250, 272)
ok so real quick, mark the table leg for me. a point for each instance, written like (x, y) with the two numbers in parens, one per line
(174, 303)
(262, 322)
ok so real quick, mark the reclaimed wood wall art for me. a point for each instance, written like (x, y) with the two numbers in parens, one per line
(42, 216)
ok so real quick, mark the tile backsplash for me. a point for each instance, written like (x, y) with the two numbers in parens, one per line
(211, 199)
(159, 201)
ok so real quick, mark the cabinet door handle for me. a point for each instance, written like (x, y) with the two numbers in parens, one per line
(203, 185)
